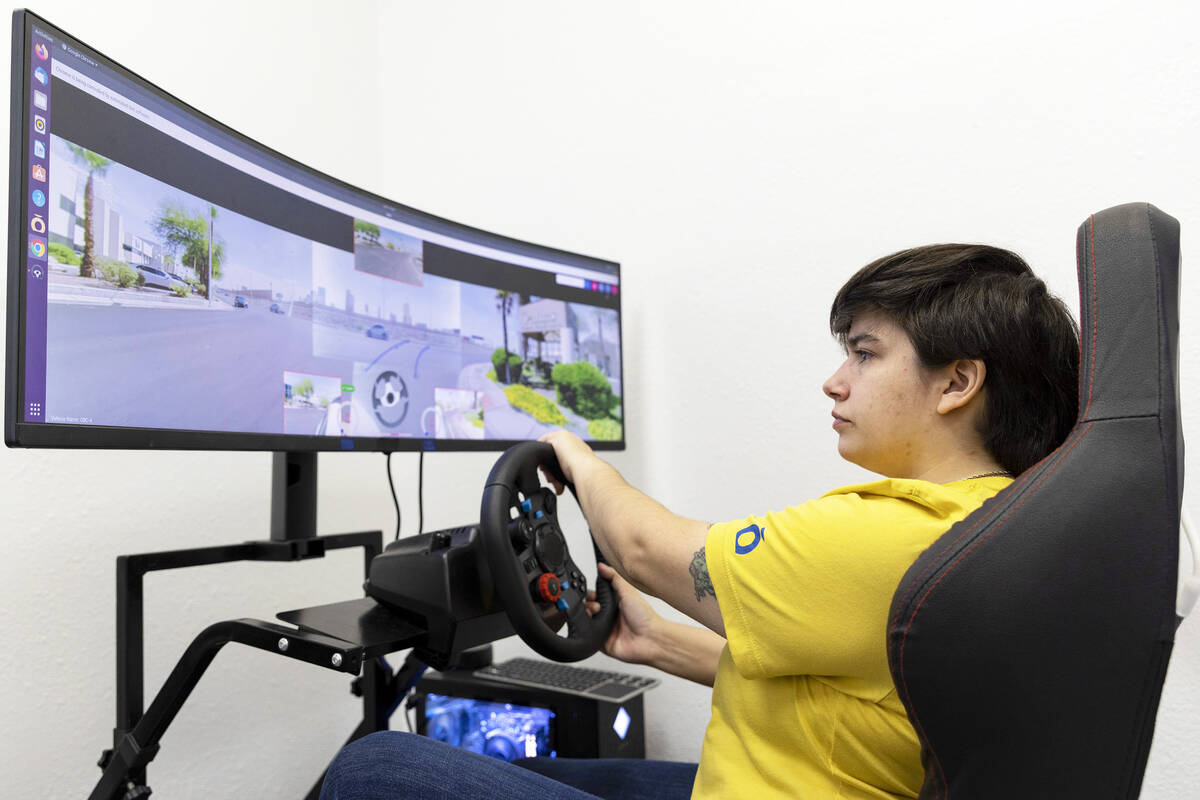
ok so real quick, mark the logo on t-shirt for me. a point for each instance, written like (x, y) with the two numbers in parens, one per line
(748, 538)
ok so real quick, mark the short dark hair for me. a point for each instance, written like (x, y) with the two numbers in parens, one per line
(974, 301)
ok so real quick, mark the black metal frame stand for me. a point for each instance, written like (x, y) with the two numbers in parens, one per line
(137, 733)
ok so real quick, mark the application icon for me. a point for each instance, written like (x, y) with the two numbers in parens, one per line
(39, 99)
(39, 123)
(39, 198)
(39, 173)
(37, 247)
(37, 224)
(41, 76)
(39, 148)
(36, 271)
(41, 51)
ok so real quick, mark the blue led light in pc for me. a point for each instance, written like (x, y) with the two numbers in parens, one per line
(500, 730)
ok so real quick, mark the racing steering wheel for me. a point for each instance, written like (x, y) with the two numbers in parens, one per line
(538, 584)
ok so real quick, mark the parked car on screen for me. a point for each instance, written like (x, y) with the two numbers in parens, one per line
(156, 277)
(377, 332)
(240, 302)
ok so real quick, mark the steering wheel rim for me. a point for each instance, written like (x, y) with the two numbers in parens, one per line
(521, 549)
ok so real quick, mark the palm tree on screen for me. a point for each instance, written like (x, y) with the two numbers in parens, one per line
(209, 265)
(96, 165)
(504, 302)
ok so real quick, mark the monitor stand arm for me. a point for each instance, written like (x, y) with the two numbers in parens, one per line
(124, 765)
(136, 734)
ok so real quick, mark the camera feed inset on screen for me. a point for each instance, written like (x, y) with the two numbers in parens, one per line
(458, 414)
(565, 371)
(388, 254)
(307, 399)
(500, 730)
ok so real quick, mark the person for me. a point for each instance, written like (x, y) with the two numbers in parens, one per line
(960, 373)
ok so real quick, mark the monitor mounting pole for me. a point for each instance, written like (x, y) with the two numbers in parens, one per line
(293, 496)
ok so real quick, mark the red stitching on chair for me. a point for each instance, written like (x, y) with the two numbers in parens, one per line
(913, 584)
(1062, 452)
(933, 562)
(929, 566)
(1095, 317)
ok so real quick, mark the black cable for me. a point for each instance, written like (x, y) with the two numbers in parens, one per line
(420, 492)
(392, 486)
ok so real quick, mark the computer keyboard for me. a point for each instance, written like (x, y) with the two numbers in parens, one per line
(615, 687)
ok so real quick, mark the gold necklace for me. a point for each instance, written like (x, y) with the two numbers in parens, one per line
(1003, 473)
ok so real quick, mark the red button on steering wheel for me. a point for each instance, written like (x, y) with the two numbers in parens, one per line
(548, 587)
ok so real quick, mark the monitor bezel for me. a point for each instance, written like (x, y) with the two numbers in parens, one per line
(58, 435)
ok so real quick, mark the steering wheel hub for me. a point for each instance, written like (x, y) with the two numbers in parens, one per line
(550, 548)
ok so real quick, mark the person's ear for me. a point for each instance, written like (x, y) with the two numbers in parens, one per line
(963, 381)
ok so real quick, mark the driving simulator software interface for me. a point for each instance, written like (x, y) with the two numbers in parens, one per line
(179, 277)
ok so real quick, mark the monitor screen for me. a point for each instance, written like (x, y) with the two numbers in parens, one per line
(175, 284)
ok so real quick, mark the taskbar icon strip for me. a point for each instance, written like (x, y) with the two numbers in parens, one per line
(38, 235)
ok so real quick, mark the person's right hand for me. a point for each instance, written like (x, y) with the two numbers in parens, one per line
(632, 638)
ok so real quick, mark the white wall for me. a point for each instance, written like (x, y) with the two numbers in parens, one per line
(738, 163)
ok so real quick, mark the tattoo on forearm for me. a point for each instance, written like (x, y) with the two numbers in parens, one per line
(700, 577)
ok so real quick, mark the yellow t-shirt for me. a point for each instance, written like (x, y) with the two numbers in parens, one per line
(803, 704)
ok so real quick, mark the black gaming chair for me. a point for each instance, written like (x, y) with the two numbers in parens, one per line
(1030, 642)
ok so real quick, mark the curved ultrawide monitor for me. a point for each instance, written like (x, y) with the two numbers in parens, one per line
(175, 284)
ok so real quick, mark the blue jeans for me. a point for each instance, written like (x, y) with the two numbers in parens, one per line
(391, 765)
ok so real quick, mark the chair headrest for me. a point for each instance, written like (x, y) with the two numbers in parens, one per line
(1129, 366)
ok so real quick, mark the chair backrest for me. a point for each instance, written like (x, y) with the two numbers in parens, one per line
(1030, 642)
